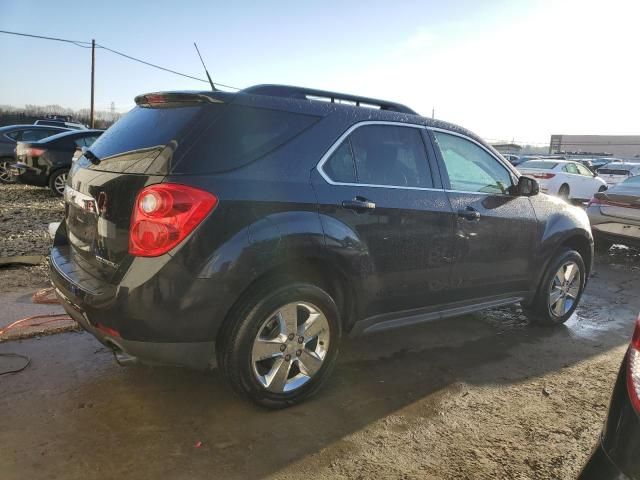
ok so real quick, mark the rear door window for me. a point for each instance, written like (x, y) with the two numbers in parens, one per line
(36, 134)
(389, 155)
(570, 168)
(381, 155)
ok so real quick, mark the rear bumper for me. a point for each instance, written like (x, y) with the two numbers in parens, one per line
(196, 355)
(601, 467)
(26, 174)
(176, 326)
(615, 229)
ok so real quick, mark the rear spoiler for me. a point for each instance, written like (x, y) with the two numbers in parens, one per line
(174, 99)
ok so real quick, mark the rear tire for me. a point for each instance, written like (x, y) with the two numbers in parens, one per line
(560, 290)
(281, 344)
(564, 192)
(5, 175)
(58, 180)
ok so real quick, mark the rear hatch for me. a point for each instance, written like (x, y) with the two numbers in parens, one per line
(613, 176)
(137, 151)
(170, 133)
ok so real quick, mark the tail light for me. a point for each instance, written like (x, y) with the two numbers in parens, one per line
(544, 176)
(164, 214)
(605, 202)
(595, 201)
(633, 368)
(35, 152)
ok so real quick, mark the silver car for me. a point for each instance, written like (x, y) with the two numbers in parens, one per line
(615, 215)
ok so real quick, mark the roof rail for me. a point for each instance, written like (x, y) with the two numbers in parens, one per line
(303, 93)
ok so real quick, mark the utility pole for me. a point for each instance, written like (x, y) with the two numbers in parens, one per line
(433, 112)
(93, 78)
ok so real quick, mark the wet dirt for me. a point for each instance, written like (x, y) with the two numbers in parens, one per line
(485, 396)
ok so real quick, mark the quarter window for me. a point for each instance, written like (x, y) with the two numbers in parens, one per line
(341, 167)
(470, 168)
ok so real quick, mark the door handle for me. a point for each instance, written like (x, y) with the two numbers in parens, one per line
(359, 204)
(469, 213)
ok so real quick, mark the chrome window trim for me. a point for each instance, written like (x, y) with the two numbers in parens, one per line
(342, 137)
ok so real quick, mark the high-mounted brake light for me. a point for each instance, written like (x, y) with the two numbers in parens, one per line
(544, 176)
(163, 216)
(633, 368)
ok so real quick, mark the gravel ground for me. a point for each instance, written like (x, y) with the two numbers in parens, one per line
(25, 213)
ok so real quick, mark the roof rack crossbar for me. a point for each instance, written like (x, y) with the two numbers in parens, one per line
(333, 97)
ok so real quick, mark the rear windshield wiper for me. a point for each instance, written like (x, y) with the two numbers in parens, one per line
(92, 157)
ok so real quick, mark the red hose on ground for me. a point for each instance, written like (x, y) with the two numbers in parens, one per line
(43, 296)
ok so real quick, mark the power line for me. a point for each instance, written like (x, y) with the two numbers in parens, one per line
(162, 68)
(77, 42)
(83, 44)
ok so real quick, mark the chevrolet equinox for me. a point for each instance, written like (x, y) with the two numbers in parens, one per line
(251, 230)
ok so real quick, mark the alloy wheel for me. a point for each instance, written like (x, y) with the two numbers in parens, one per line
(59, 183)
(5, 174)
(290, 347)
(565, 288)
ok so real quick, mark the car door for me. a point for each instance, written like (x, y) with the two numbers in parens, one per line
(574, 180)
(589, 183)
(495, 231)
(383, 208)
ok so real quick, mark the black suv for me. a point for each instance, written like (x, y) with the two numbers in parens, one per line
(250, 230)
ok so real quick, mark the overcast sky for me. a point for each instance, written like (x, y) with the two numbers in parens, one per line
(505, 69)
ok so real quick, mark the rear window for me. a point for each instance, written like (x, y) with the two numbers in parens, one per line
(539, 165)
(144, 140)
(134, 142)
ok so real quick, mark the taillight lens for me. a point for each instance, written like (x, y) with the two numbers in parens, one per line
(164, 215)
(35, 152)
(544, 176)
(633, 368)
(594, 201)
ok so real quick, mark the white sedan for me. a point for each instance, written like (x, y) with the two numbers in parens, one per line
(568, 180)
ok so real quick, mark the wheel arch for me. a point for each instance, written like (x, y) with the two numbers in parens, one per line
(327, 275)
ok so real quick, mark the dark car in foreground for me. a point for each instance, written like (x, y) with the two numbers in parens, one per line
(251, 230)
(616, 455)
(16, 133)
(615, 215)
(46, 163)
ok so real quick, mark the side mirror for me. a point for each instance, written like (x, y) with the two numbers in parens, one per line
(527, 187)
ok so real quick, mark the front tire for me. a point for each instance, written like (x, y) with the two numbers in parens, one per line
(281, 345)
(560, 290)
(58, 180)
